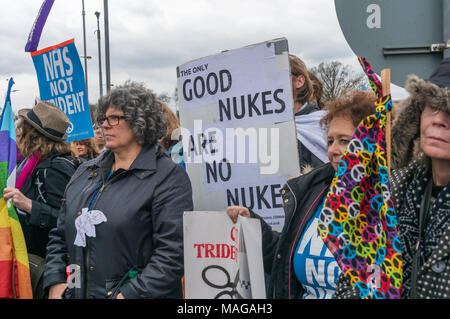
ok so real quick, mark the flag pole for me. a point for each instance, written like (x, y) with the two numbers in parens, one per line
(386, 82)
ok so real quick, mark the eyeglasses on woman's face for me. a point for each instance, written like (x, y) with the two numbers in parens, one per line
(112, 120)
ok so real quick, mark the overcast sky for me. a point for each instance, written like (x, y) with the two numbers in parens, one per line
(150, 38)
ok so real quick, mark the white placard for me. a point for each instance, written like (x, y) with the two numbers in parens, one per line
(222, 260)
(239, 135)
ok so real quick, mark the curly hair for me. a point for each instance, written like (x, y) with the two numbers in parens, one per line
(30, 141)
(143, 112)
(355, 105)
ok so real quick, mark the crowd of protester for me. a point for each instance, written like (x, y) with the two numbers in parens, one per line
(113, 204)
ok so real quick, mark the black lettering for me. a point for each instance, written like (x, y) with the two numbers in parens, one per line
(192, 148)
(226, 109)
(233, 201)
(222, 176)
(212, 84)
(211, 170)
(235, 108)
(224, 88)
(252, 104)
(211, 142)
(260, 196)
(208, 83)
(276, 98)
(187, 97)
(275, 194)
(202, 141)
(250, 197)
(202, 92)
(265, 102)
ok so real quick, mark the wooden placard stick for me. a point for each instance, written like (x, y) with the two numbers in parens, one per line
(386, 83)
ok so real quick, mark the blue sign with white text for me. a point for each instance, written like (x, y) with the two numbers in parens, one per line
(61, 82)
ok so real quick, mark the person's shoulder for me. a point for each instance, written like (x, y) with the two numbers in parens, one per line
(401, 175)
(165, 166)
(324, 171)
(64, 161)
(321, 175)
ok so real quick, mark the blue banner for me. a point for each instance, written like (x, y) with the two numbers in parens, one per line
(61, 82)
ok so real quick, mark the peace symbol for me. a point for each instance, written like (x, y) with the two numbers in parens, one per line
(358, 172)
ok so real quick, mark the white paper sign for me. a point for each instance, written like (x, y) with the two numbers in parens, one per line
(239, 135)
(222, 260)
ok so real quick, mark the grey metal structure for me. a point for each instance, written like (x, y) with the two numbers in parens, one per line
(85, 54)
(407, 36)
(107, 67)
(446, 26)
(97, 14)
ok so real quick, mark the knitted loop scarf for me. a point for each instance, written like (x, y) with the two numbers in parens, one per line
(408, 212)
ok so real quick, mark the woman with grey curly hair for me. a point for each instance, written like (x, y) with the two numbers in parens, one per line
(120, 227)
(141, 109)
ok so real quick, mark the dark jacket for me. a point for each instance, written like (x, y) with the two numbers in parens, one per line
(301, 198)
(45, 187)
(144, 208)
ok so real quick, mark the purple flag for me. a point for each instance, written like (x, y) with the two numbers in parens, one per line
(36, 30)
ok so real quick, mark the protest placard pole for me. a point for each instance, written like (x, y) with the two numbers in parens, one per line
(386, 82)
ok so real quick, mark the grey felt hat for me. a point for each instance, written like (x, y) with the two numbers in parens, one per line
(48, 120)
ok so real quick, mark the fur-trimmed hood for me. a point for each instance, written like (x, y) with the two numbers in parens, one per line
(406, 127)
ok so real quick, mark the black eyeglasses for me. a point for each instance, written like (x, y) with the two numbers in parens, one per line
(112, 120)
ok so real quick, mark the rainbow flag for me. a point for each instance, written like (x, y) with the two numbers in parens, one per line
(15, 279)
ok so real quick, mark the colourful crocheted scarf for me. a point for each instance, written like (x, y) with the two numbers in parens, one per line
(358, 222)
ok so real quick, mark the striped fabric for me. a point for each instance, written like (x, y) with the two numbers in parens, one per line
(14, 269)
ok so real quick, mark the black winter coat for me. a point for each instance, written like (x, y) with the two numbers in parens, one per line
(45, 187)
(144, 208)
(301, 199)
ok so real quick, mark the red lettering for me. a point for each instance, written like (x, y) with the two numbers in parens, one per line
(234, 252)
(216, 251)
(208, 251)
(199, 246)
(233, 237)
(225, 251)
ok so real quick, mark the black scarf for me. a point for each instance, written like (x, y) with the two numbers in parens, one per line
(408, 222)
